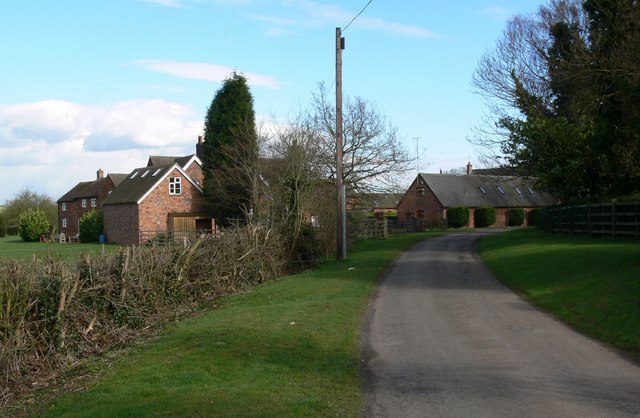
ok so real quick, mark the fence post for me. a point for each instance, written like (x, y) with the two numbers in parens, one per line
(613, 219)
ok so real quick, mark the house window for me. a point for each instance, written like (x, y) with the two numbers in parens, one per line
(64, 207)
(420, 191)
(84, 203)
(64, 223)
(175, 187)
(94, 202)
(420, 213)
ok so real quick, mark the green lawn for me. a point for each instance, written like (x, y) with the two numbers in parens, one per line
(13, 247)
(289, 348)
(593, 284)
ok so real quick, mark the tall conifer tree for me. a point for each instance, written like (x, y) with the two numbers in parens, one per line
(229, 153)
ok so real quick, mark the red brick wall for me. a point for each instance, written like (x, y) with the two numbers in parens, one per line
(154, 210)
(414, 201)
(195, 172)
(121, 223)
(74, 209)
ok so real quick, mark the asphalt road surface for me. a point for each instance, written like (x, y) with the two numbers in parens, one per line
(444, 339)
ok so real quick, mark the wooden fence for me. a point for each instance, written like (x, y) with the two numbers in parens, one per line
(615, 219)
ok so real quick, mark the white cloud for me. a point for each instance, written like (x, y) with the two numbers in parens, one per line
(499, 13)
(204, 71)
(51, 145)
(316, 14)
(167, 3)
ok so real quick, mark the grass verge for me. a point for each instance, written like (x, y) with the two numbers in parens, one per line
(288, 349)
(14, 248)
(592, 284)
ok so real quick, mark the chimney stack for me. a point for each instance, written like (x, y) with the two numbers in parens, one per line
(199, 146)
(99, 174)
(469, 168)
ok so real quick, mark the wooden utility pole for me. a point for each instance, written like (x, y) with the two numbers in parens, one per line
(341, 206)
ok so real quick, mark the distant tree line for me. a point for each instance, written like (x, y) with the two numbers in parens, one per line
(563, 88)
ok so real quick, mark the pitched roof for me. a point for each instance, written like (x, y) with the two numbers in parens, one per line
(142, 181)
(481, 190)
(89, 189)
(158, 160)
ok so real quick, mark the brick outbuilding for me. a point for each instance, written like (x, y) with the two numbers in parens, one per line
(431, 195)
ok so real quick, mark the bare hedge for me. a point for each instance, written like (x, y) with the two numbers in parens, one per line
(53, 314)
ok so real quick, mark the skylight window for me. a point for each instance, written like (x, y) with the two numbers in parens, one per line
(500, 189)
(483, 190)
(518, 190)
(156, 172)
(135, 173)
(144, 174)
(530, 190)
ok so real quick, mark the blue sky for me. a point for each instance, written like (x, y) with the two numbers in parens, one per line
(89, 84)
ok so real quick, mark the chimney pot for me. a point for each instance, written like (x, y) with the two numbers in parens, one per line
(200, 139)
(469, 168)
(99, 174)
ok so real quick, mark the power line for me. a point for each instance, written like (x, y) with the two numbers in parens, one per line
(363, 9)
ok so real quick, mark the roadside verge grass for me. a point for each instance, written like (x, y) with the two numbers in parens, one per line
(592, 284)
(288, 348)
(14, 248)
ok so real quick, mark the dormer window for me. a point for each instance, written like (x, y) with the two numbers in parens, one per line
(175, 185)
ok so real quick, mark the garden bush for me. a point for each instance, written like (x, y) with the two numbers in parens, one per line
(33, 223)
(458, 216)
(91, 226)
(515, 217)
(485, 216)
(534, 217)
(3, 226)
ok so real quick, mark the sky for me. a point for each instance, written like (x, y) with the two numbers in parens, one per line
(104, 84)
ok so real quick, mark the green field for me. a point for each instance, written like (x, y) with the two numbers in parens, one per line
(13, 247)
(593, 284)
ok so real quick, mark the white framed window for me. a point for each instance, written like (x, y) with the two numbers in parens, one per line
(64, 207)
(175, 185)
(94, 202)
(64, 223)
(84, 203)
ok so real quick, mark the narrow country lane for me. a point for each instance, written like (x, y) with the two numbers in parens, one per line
(444, 339)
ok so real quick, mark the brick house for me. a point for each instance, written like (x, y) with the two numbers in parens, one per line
(166, 196)
(430, 195)
(85, 196)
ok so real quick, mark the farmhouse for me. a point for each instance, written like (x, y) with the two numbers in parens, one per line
(165, 197)
(431, 195)
(85, 196)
